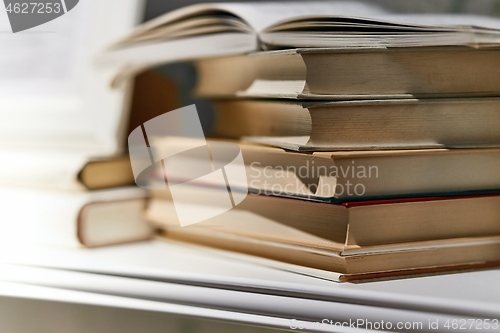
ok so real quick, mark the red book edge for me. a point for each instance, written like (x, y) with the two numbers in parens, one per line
(352, 204)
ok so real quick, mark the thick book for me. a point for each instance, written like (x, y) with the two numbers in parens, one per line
(215, 29)
(350, 175)
(426, 257)
(62, 125)
(362, 124)
(73, 219)
(351, 228)
(353, 73)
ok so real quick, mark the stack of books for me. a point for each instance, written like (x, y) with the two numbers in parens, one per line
(368, 139)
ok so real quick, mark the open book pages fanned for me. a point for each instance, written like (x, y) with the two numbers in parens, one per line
(216, 29)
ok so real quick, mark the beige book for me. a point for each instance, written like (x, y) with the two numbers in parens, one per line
(438, 256)
(363, 125)
(356, 174)
(363, 227)
(107, 173)
(353, 73)
(74, 219)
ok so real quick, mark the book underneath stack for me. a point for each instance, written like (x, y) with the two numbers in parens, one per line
(370, 140)
(66, 198)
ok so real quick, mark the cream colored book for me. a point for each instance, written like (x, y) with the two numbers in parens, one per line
(362, 124)
(348, 175)
(441, 256)
(353, 73)
(73, 219)
(351, 228)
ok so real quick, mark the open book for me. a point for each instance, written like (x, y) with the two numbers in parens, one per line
(220, 29)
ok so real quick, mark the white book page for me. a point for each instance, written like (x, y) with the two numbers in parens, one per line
(443, 20)
(262, 15)
(182, 263)
(164, 260)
